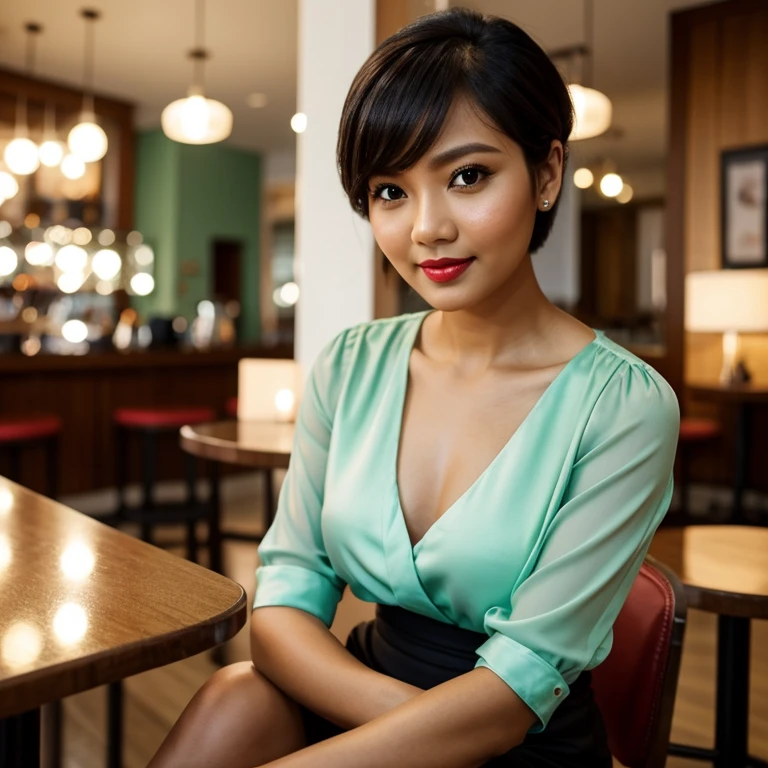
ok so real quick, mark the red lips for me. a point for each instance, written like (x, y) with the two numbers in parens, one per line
(445, 270)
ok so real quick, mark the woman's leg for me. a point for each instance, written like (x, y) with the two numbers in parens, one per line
(237, 719)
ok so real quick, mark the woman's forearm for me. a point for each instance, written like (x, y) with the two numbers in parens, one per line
(460, 724)
(298, 653)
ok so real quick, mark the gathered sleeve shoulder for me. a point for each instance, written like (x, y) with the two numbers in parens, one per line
(559, 619)
(295, 570)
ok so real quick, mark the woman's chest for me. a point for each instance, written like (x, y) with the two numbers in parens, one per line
(452, 432)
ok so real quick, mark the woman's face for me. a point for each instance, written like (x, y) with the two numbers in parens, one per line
(457, 224)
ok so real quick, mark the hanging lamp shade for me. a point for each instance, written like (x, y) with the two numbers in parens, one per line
(593, 112)
(87, 139)
(21, 156)
(196, 119)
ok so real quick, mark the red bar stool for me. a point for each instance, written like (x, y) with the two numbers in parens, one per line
(230, 407)
(148, 423)
(693, 433)
(20, 432)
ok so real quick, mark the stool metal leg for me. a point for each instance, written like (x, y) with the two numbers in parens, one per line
(115, 725)
(51, 727)
(121, 436)
(20, 740)
(215, 559)
(148, 483)
(14, 455)
(52, 460)
(193, 504)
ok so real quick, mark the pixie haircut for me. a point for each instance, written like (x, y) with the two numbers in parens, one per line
(399, 100)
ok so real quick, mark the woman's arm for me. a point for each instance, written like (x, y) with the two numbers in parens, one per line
(462, 723)
(298, 653)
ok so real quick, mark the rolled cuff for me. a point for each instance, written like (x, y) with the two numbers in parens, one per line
(296, 587)
(535, 681)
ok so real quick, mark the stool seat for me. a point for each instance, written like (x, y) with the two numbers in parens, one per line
(17, 429)
(693, 430)
(231, 406)
(162, 417)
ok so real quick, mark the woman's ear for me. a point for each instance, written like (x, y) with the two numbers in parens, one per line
(550, 175)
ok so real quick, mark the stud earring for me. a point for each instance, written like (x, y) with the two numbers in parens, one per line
(545, 204)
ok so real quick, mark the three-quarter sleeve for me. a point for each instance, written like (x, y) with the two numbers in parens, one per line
(295, 570)
(559, 618)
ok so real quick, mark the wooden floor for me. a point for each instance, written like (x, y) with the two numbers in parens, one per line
(155, 699)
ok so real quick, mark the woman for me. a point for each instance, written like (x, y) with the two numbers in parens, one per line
(490, 473)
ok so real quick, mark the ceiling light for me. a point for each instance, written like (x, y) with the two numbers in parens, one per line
(87, 139)
(73, 167)
(9, 187)
(51, 153)
(583, 178)
(299, 122)
(142, 284)
(197, 119)
(593, 112)
(8, 261)
(626, 194)
(611, 184)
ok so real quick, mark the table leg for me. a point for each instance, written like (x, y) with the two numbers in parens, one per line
(20, 740)
(115, 725)
(732, 719)
(215, 557)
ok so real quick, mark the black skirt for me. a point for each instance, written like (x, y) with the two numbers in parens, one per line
(425, 652)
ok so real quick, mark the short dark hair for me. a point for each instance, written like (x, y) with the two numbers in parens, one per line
(398, 101)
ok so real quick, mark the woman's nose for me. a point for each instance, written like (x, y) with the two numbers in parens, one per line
(433, 223)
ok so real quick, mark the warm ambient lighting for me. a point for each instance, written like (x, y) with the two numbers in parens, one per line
(74, 331)
(268, 390)
(6, 501)
(8, 261)
(592, 112)
(9, 187)
(77, 560)
(22, 644)
(71, 258)
(73, 167)
(583, 178)
(87, 140)
(142, 284)
(21, 156)
(197, 120)
(299, 122)
(70, 623)
(611, 184)
(727, 301)
(626, 194)
(51, 153)
(38, 254)
(106, 264)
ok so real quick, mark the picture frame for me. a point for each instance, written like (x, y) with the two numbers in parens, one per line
(744, 208)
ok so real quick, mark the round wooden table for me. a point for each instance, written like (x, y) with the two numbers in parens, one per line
(264, 445)
(724, 569)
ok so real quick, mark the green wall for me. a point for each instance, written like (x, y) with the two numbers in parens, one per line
(186, 197)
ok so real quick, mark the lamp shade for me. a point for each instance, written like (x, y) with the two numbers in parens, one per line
(268, 390)
(593, 112)
(727, 300)
(197, 120)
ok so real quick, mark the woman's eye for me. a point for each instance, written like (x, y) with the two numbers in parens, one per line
(389, 192)
(467, 178)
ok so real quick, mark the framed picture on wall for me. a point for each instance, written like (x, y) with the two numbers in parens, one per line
(744, 191)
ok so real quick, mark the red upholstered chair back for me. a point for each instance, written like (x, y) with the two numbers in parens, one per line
(635, 686)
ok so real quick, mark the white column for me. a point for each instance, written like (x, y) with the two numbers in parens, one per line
(334, 247)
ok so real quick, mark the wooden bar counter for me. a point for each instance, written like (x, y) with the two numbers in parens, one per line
(85, 391)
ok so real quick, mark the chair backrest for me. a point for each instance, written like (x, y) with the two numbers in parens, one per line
(635, 686)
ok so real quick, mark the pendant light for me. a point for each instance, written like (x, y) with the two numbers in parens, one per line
(51, 150)
(87, 139)
(197, 119)
(21, 153)
(593, 109)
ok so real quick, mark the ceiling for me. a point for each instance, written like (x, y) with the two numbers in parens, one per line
(141, 47)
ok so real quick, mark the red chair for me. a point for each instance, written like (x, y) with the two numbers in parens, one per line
(148, 423)
(635, 686)
(693, 432)
(19, 432)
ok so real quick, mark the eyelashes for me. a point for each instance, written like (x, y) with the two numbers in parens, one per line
(396, 193)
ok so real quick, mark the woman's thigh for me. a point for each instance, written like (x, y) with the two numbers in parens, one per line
(238, 719)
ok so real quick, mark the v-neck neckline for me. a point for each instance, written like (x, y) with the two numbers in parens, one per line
(402, 393)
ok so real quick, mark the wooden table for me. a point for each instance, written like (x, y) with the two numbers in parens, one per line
(83, 605)
(264, 445)
(744, 397)
(724, 570)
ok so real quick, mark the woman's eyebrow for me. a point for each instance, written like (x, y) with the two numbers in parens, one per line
(455, 153)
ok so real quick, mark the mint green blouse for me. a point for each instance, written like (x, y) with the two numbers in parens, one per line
(539, 553)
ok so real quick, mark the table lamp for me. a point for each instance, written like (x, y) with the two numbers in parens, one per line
(728, 301)
(268, 390)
